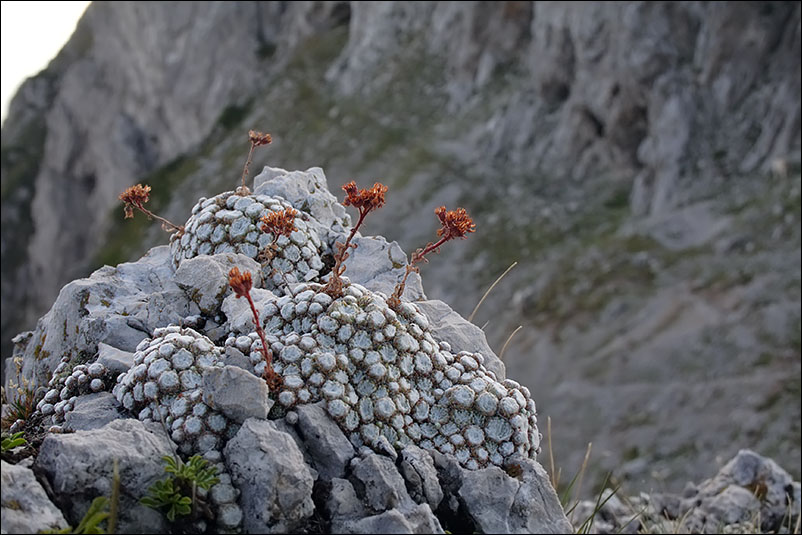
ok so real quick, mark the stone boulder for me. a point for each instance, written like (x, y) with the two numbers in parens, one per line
(25, 505)
(79, 467)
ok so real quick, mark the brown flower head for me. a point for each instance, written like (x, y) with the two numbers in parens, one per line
(241, 283)
(259, 138)
(135, 196)
(365, 200)
(456, 223)
(279, 223)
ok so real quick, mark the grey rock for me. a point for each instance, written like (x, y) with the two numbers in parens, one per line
(417, 519)
(307, 191)
(343, 502)
(417, 468)
(92, 411)
(115, 360)
(499, 503)
(119, 306)
(25, 505)
(238, 311)
(731, 493)
(79, 468)
(236, 393)
(379, 266)
(235, 357)
(377, 480)
(328, 447)
(269, 470)
(462, 335)
(733, 505)
(205, 278)
(749, 494)
(488, 495)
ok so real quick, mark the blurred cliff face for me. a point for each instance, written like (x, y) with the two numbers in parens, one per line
(639, 160)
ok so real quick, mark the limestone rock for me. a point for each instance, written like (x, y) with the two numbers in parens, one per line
(268, 468)
(205, 278)
(25, 505)
(307, 191)
(420, 475)
(377, 479)
(236, 393)
(238, 311)
(79, 468)
(92, 411)
(328, 447)
(418, 519)
(119, 306)
(379, 266)
(115, 360)
(460, 333)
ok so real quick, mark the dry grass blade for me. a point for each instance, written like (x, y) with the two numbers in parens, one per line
(555, 480)
(482, 300)
(504, 347)
(115, 498)
(582, 473)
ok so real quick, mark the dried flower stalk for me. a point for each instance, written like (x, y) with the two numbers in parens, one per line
(366, 201)
(454, 224)
(136, 197)
(242, 283)
(257, 139)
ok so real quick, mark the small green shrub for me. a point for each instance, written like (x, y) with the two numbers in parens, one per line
(176, 496)
(98, 512)
(165, 496)
(12, 441)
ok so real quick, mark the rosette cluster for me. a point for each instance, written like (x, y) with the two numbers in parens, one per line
(230, 223)
(387, 381)
(70, 381)
(166, 384)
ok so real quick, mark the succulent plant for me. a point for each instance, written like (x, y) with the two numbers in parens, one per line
(166, 383)
(387, 381)
(70, 380)
(232, 223)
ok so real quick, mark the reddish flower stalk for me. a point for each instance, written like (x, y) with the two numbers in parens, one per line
(366, 201)
(454, 224)
(257, 139)
(241, 283)
(136, 197)
(278, 224)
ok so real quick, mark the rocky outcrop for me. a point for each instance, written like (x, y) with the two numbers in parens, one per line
(368, 403)
(749, 494)
(639, 160)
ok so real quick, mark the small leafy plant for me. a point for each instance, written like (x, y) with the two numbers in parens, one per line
(366, 201)
(23, 405)
(11, 441)
(176, 495)
(98, 512)
(242, 283)
(454, 224)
